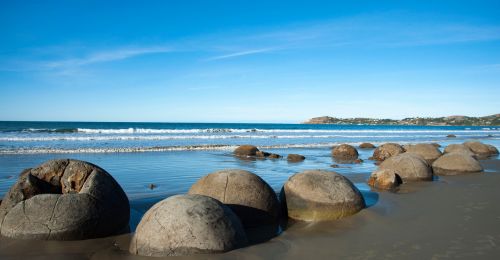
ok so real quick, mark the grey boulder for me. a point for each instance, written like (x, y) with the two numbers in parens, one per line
(410, 167)
(429, 152)
(455, 163)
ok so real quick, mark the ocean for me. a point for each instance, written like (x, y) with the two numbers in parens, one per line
(172, 156)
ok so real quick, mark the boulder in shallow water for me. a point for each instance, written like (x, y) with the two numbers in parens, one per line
(455, 163)
(386, 179)
(387, 150)
(295, 158)
(345, 152)
(187, 225)
(246, 150)
(248, 195)
(451, 136)
(428, 151)
(366, 146)
(410, 167)
(317, 195)
(64, 200)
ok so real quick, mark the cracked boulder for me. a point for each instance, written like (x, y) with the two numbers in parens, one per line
(248, 195)
(318, 195)
(187, 225)
(64, 200)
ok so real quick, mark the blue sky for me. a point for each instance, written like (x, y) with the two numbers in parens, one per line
(247, 61)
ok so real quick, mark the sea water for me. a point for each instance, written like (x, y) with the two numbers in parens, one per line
(172, 156)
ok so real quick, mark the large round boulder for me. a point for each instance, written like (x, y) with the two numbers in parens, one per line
(64, 200)
(453, 148)
(345, 152)
(385, 179)
(455, 163)
(480, 149)
(317, 195)
(248, 195)
(428, 151)
(187, 225)
(387, 150)
(410, 167)
(246, 150)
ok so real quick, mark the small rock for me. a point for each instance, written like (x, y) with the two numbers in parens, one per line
(451, 136)
(358, 161)
(366, 146)
(295, 158)
(262, 154)
(274, 156)
(152, 186)
(334, 166)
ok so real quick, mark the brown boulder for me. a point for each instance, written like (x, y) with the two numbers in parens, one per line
(451, 136)
(385, 179)
(295, 158)
(387, 150)
(366, 146)
(410, 167)
(480, 149)
(456, 163)
(428, 151)
(345, 152)
(453, 148)
(246, 150)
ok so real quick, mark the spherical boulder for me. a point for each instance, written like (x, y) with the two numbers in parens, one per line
(345, 152)
(455, 163)
(248, 195)
(366, 146)
(187, 225)
(452, 148)
(295, 158)
(317, 195)
(64, 200)
(246, 150)
(410, 167)
(428, 151)
(386, 179)
(480, 149)
(387, 150)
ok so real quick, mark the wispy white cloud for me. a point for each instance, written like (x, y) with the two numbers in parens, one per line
(241, 53)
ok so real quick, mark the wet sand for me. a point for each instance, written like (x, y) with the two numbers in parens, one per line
(452, 217)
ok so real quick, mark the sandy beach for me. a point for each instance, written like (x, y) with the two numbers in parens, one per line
(451, 217)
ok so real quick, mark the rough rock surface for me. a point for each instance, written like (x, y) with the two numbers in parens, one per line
(387, 150)
(366, 146)
(345, 152)
(64, 200)
(455, 163)
(410, 167)
(317, 195)
(295, 158)
(248, 195)
(386, 179)
(246, 150)
(428, 151)
(186, 225)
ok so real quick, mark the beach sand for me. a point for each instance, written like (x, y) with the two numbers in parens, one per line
(452, 217)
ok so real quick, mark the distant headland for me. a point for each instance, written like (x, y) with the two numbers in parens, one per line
(492, 120)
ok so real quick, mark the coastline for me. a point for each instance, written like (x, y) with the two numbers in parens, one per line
(454, 216)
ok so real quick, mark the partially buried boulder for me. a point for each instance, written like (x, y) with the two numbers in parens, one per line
(387, 150)
(458, 148)
(187, 225)
(246, 150)
(455, 163)
(64, 200)
(345, 152)
(410, 167)
(295, 158)
(428, 151)
(386, 179)
(317, 195)
(248, 195)
(366, 146)
(480, 149)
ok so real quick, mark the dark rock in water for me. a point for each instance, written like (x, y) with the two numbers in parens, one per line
(334, 166)
(295, 158)
(152, 186)
(386, 179)
(366, 146)
(358, 161)
(410, 167)
(187, 225)
(248, 195)
(318, 195)
(489, 135)
(246, 150)
(387, 150)
(451, 136)
(262, 154)
(64, 200)
(345, 152)
(274, 156)
(428, 151)
(455, 163)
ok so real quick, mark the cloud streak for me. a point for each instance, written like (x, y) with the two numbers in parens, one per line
(241, 53)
